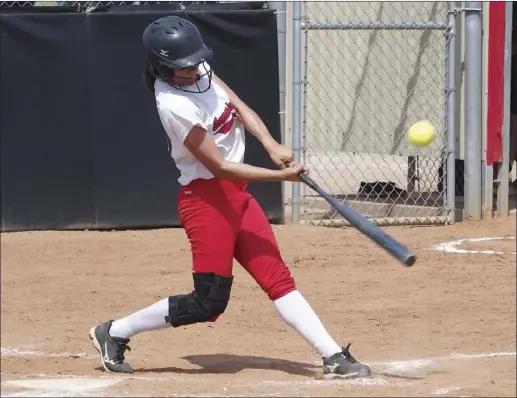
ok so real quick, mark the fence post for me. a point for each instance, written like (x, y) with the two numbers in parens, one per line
(280, 12)
(487, 164)
(473, 108)
(504, 171)
(450, 113)
(296, 102)
(281, 31)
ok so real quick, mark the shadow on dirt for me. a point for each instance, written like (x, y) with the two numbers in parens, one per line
(232, 364)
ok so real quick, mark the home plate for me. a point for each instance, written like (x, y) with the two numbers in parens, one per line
(58, 387)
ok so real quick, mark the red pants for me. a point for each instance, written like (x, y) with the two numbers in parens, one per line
(223, 221)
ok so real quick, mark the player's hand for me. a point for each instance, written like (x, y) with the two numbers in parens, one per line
(292, 172)
(281, 155)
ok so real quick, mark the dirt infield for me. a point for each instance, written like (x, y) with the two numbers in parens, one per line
(444, 327)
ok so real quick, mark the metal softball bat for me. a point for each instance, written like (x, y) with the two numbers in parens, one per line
(364, 225)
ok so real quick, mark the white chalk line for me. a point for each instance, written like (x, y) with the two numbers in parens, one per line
(81, 384)
(417, 364)
(395, 365)
(371, 381)
(65, 387)
(452, 246)
(446, 390)
(16, 352)
(403, 366)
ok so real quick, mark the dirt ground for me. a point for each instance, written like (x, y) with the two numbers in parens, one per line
(445, 327)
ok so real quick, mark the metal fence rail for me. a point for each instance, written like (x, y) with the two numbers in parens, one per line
(79, 5)
(368, 71)
(90, 5)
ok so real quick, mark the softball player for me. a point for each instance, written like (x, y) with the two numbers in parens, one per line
(204, 121)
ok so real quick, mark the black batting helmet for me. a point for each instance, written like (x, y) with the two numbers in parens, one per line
(174, 43)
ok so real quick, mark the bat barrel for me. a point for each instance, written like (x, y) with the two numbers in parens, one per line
(398, 251)
(367, 227)
(364, 225)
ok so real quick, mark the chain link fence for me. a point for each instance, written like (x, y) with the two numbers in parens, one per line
(371, 70)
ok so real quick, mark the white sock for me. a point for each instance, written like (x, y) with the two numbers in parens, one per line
(298, 314)
(150, 318)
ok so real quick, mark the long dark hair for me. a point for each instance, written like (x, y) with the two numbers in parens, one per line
(148, 78)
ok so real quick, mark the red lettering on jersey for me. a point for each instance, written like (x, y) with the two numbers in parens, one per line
(223, 123)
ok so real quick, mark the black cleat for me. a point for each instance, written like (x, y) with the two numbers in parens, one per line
(111, 349)
(344, 364)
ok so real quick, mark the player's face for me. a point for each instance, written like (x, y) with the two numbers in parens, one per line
(186, 77)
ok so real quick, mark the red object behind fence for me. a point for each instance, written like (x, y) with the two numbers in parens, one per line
(496, 41)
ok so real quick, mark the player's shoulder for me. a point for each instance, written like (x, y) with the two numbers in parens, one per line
(166, 94)
(170, 99)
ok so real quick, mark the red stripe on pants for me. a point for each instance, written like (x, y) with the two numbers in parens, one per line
(223, 221)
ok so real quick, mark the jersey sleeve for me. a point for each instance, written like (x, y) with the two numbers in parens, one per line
(178, 116)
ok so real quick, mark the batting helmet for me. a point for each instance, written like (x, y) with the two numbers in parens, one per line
(174, 43)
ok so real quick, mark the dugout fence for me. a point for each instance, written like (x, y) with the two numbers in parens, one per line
(82, 146)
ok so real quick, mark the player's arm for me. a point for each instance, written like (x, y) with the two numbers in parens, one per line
(253, 122)
(203, 147)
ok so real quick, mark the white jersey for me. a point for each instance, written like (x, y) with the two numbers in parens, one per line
(179, 111)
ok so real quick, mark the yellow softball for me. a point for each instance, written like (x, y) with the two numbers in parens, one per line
(421, 133)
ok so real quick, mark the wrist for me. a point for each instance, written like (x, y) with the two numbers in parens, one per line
(282, 174)
(269, 144)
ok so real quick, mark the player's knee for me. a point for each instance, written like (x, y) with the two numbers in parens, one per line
(282, 284)
(205, 303)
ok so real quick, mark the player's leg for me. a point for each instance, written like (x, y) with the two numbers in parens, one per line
(210, 212)
(211, 223)
(258, 252)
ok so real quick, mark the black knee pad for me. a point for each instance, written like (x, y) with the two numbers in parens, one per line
(208, 299)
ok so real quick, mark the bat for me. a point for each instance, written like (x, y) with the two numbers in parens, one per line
(364, 225)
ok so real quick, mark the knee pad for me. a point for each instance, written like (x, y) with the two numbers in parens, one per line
(207, 301)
